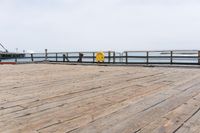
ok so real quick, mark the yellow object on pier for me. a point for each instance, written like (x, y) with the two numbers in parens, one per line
(100, 56)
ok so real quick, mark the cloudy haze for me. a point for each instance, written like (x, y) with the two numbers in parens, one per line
(74, 25)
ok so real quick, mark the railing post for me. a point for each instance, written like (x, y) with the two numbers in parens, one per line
(126, 54)
(147, 57)
(56, 57)
(67, 57)
(93, 55)
(199, 57)
(46, 54)
(80, 58)
(121, 58)
(32, 57)
(114, 57)
(108, 56)
(63, 57)
(171, 57)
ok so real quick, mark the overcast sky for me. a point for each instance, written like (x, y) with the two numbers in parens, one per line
(86, 25)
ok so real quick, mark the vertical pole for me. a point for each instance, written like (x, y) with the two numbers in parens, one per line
(199, 57)
(67, 56)
(114, 57)
(80, 58)
(147, 57)
(126, 57)
(109, 56)
(45, 54)
(63, 57)
(32, 57)
(93, 55)
(56, 57)
(171, 57)
(121, 58)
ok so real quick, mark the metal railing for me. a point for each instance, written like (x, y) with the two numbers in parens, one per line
(186, 57)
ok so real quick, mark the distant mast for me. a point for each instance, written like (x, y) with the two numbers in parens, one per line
(3, 47)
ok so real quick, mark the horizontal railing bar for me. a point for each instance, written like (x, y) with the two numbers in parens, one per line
(103, 51)
(110, 56)
(164, 51)
(160, 57)
(90, 52)
(184, 63)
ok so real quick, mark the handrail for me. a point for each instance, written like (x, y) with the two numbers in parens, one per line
(126, 57)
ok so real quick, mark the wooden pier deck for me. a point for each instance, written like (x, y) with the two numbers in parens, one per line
(44, 98)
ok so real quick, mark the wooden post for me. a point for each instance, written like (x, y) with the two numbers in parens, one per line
(109, 56)
(199, 57)
(63, 57)
(93, 55)
(80, 58)
(67, 57)
(126, 56)
(114, 57)
(32, 57)
(171, 57)
(147, 57)
(121, 57)
(56, 57)
(46, 54)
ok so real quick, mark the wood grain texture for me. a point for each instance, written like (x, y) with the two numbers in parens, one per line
(47, 98)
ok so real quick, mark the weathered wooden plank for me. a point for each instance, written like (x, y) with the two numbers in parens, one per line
(47, 98)
(191, 125)
(175, 119)
(9, 110)
(114, 99)
(131, 120)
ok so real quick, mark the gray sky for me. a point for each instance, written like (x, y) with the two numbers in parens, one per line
(86, 25)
